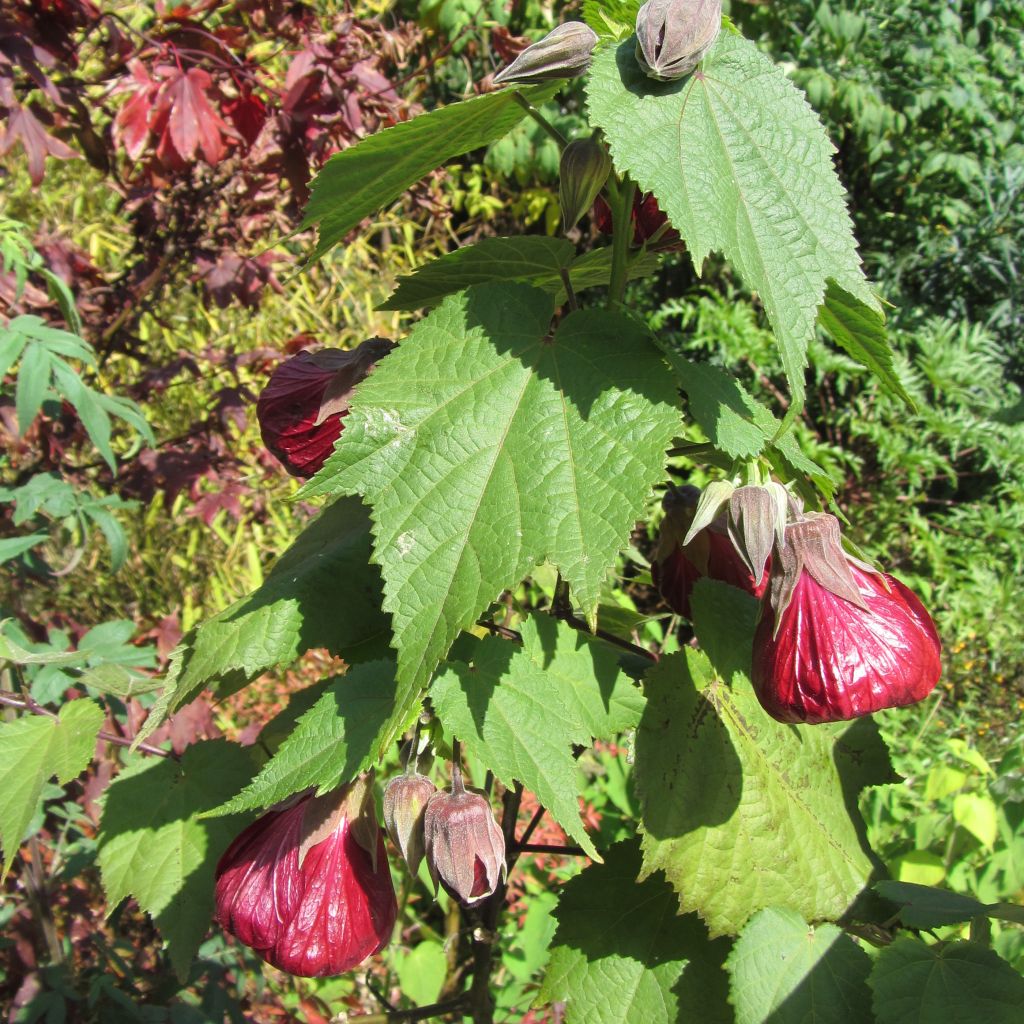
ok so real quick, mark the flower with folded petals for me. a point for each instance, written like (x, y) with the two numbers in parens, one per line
(307, 886)
(405, 804)
(837, 639)
(648, 218)
(300, 411)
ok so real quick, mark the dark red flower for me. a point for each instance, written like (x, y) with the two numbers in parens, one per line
(301, 408)
(838, 640)
(308, 887)
(647, 219)
(676, 567)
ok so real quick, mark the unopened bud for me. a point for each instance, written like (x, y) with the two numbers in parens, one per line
(673, 35)
(582, 172)
(405, 801)
(465, 847)
(563, 53)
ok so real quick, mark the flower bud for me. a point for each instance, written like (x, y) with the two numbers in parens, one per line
(678, 563)
(582, 172)
(405, 801)
(307, 885)
(673, 35)
(465, 847)
(563, 53)
(837, 639)
(301, 408)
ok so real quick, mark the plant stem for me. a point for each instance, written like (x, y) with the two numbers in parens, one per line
(570, 295)
(567, 851)
(622, 227)
(33, 708)
(398, 1016)
(540, 119)
(481, 1001)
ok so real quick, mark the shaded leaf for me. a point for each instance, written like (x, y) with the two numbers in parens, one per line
(785, 971)
(520, 710)
(362, 179)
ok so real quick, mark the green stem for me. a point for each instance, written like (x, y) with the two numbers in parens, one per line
(541, 119)
(622, 226)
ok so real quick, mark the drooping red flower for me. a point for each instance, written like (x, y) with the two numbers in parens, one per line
(648, 218)
(676, 566)
(308, 887)
(302, 407)
(837, 639)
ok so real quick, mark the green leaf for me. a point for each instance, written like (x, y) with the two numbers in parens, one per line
(33, 749)
(958, 983)
(532, 258)
(33, 385)
(153, 846)
(611, 19)
(11, 547)
(740, 811)
(976, 812)
(741, 165)
(622, 956)
(860, 330)
(924, 907)
(741, 427)
(321, 593)
(730, 419)
(118, 681)
(486, 447)
(362, 179)
(785, 971)
(520, 710)
(331, 743)
(724, 618)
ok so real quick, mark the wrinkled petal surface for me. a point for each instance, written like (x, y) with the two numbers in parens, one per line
(321, 918)
(831, 661)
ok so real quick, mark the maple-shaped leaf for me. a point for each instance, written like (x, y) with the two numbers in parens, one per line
(131, 125)
(23, 126)
(486, 444)
(185, 120)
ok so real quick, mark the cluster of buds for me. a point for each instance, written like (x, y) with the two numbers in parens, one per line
(455, 829)
(300, 410)
(307, 885)
(836, 638)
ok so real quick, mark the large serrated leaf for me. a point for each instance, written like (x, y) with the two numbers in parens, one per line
(360, 180)
(741, 165)
(153, 846)
(740, 811)
(955, 983)
(486, 446)
(333, 741)
(520, 710)
(321, 593)
(784, 971)
(33, 749)
(622, 956)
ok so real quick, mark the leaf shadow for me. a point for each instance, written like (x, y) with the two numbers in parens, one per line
(635, 80)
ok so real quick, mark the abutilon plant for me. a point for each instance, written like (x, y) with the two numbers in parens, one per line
(525, 424)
